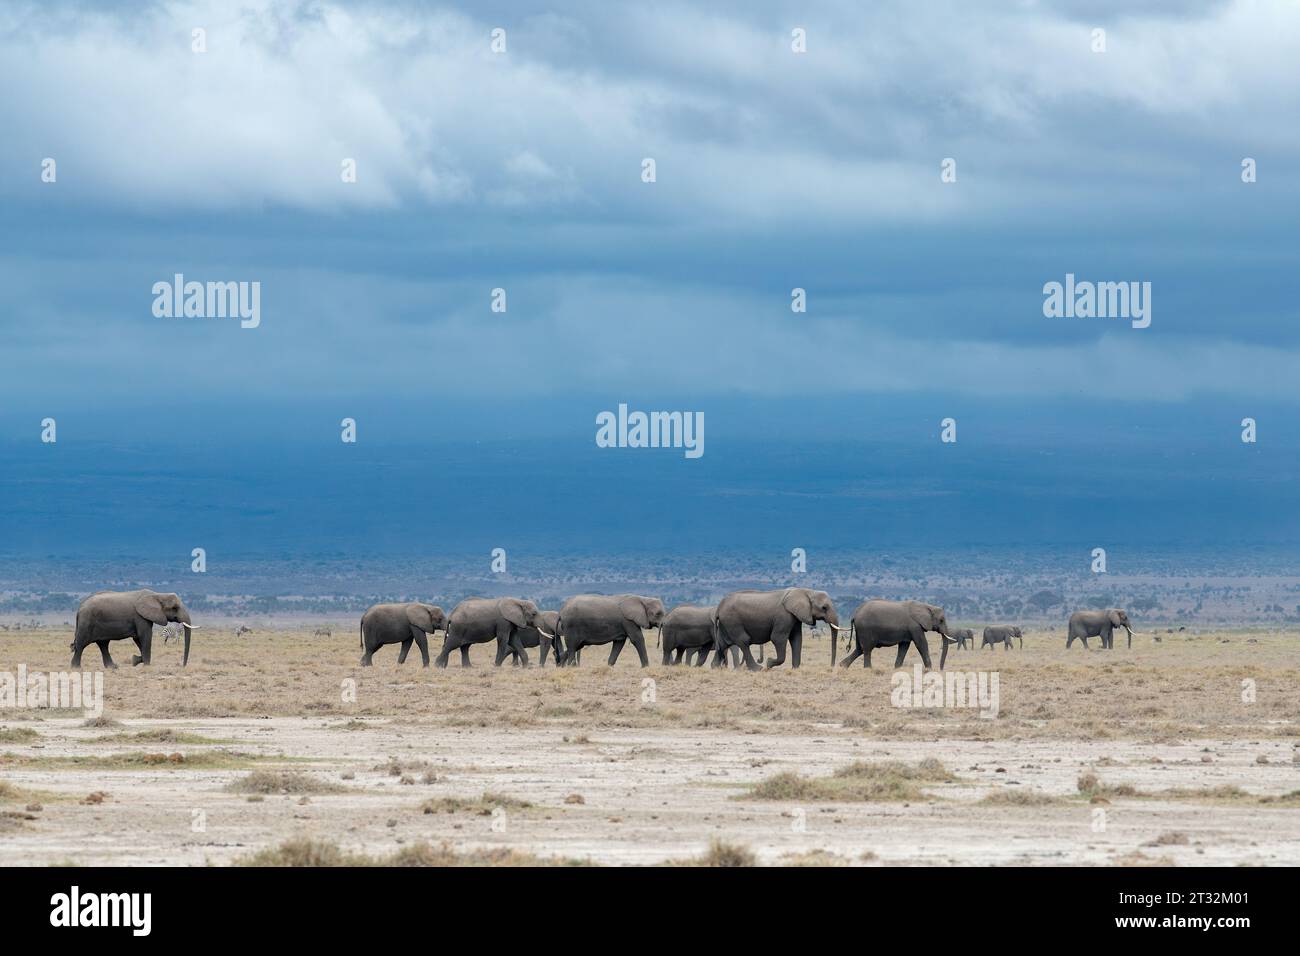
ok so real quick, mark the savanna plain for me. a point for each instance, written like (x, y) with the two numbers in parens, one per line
(276, 748)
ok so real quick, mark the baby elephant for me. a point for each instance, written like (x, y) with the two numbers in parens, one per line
(963, 636)
(400, 624)
(1001, 634)
(688, 630)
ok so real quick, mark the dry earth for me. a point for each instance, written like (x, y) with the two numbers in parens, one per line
(631, 766)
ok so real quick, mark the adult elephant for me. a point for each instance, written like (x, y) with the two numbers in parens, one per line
(608, 619)
(1086, 624)
(687, 630)
(112, 615)
(403, 624)
(756, 617)
(888, 623)
(530, 637)
(1001, 634)
(963, 635)
(479, 620)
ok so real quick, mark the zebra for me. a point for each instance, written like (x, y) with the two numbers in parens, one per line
(172, 631)
(242, 630)
(322, 632)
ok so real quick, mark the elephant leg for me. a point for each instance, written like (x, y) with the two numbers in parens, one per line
(749, 658)
(638, 642)
(779, 642)
(923, 645)
(406, 647)
(701, 655)
(422, 642)
(796, 645)
(464, 656)
(853, 655)
(77, 648)
(516, 645)
(108, 658)
(616, 650)
(902, 652)
(370, 650)
(447, 648)
(543, 648)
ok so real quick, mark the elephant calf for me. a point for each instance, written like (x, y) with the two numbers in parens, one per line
(1001, 634)
(544, 636)
(963, 636)
(687, 630)
(400, 624)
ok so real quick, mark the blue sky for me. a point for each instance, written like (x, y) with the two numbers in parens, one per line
(774, 170)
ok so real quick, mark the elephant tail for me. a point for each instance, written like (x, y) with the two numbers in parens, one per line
(361, 632)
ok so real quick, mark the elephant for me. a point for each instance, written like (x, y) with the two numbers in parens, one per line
(1001, 634)
(962, 635)
(533, 637)
(1086, 624)
(688, 629)
(112, 615)
(479, 620)
(886, 623)
(756, 617)
(400, 624)
(608, 619)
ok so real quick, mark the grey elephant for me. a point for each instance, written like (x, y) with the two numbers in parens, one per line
(529, 637)
(608, 619)
(1001, 634)
(403, 624)
(112, 615)
(479, 620)
(1102, 623)
(888, 623)
(963, 635)
(689, 629)
(756, 617)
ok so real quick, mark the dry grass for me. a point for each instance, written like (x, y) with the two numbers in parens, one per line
(859, 782)
(1021, 797)
(18, 735)
(1165, 692)
(304, 851)
(282, 782)
(482, 805)
(137, 760)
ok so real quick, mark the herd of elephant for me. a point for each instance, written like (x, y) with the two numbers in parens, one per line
(728, 629)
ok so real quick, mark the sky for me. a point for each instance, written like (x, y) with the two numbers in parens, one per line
(522, 170)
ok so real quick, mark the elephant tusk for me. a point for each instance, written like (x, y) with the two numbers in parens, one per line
(192, 627)
(836, 626)
(549, 637)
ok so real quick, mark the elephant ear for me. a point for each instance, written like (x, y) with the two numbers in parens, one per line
(149, 607)
(924, 615)
(1113, 614)
(633, 609)
(420, 616)
(512, 611)
(798, 602)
